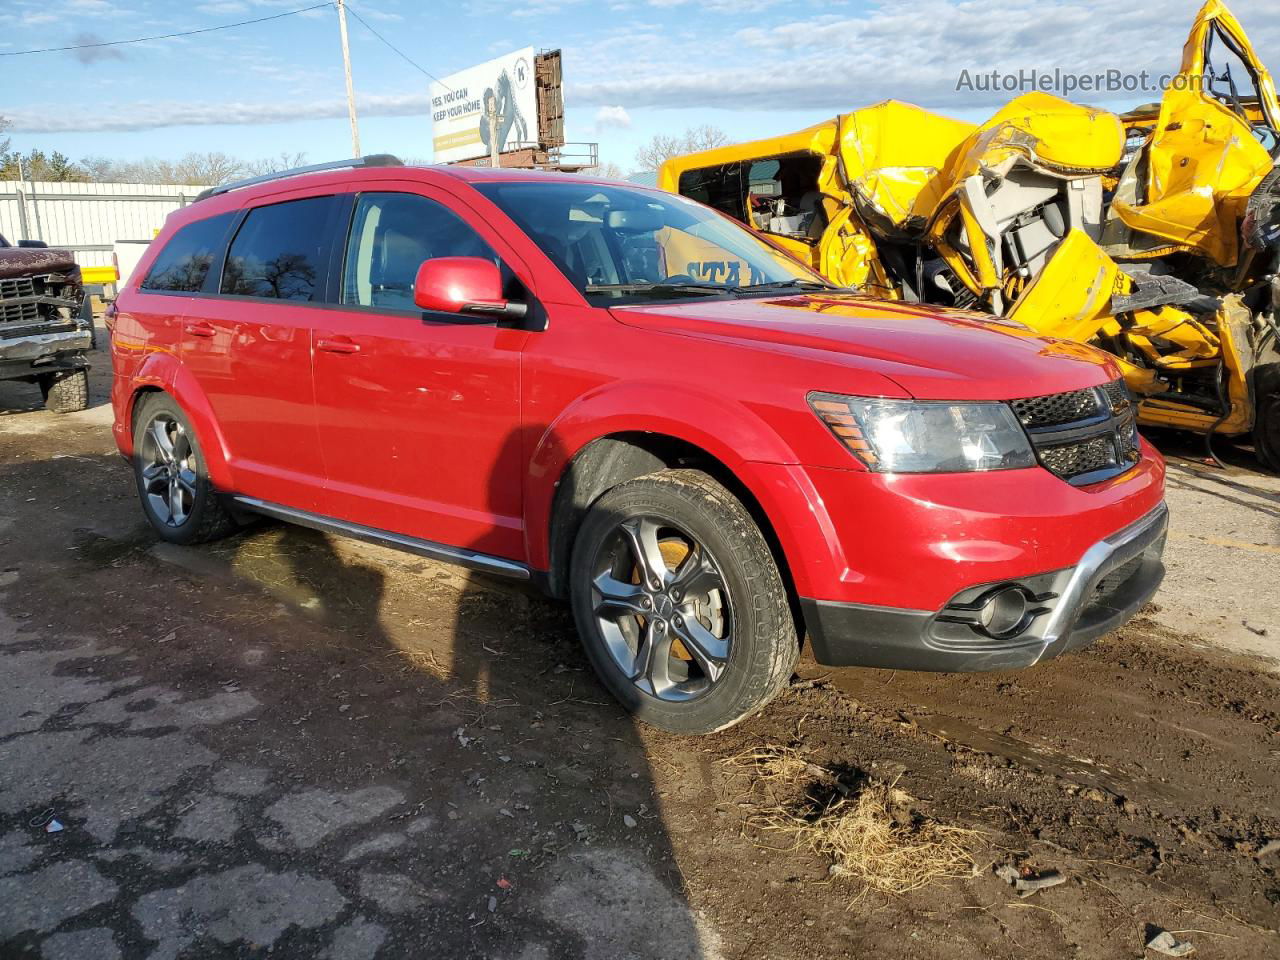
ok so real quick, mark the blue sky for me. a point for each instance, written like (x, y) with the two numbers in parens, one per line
(632, 67)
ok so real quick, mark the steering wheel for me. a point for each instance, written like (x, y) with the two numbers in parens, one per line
(678, 278)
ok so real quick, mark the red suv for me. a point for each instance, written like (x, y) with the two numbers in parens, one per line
(646, 409)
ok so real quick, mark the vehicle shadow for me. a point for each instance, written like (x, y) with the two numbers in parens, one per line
(539, 783)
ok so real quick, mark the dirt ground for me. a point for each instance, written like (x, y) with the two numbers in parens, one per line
(293, 745)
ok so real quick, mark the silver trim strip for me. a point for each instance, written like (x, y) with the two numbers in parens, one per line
(423, 548)
(1094, 559)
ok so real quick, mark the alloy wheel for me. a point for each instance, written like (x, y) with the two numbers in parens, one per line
(662, 608)
(169, 470)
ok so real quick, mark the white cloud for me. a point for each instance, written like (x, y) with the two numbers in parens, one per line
(379, 15)
(910, 52)
(825, 62)
(223, 7)
(613, 116)
(152, 115)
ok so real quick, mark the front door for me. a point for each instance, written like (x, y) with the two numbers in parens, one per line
(418, 414)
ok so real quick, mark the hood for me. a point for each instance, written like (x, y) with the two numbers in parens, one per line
(933, 353)
(34, 261)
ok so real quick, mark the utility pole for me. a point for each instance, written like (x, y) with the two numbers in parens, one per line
(351, 93)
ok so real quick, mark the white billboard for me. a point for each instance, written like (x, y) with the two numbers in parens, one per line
(464, 102)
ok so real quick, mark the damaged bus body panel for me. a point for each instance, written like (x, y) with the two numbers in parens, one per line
(1154, 234)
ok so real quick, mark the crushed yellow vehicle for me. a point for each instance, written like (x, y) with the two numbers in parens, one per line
(1153, 234)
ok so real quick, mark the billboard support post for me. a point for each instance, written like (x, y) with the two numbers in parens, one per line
(346, 67)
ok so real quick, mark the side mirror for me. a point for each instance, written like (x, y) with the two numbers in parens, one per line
(463, 285)
(39, 244)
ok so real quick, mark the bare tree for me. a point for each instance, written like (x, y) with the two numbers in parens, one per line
(607, 170)
(283, 161)
(213, 167)
(662, 147)
(194, 169)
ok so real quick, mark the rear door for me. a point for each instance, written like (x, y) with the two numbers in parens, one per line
(249, 346)
(418, 412)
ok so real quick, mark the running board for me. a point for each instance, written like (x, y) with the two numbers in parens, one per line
(423, 548)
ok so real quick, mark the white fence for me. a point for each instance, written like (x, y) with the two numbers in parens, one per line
(87, 218)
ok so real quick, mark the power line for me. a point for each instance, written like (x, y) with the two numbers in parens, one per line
(169, 36)
(403, 55)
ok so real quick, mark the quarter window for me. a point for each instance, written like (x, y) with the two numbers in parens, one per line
(184, 262)
(279, 251)
(391, 235)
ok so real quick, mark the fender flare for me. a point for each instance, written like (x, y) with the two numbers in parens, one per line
(164, 372)
(722, 428)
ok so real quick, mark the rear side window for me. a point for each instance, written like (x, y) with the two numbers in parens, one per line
(279, 251)
(391, 235)
(184, 262)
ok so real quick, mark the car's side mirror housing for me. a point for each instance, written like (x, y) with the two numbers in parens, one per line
(38, 244)
(466, 285)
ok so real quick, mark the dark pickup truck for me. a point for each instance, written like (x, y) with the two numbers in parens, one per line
(46, 323)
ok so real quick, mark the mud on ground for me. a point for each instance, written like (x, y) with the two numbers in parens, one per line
(295, 744)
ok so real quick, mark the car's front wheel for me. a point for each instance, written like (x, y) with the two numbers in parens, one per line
(680, 605)
(173, 484)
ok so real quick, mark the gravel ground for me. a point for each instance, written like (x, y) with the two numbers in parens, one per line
(290, 744)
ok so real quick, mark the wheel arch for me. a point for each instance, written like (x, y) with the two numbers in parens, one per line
(162, 373)
(610, 460)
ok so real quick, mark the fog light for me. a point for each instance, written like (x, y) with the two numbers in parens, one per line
(1004, 614)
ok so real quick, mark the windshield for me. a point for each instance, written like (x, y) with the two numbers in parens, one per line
(616, 244)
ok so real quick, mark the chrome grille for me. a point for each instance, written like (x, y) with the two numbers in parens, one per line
(1083, 436)
(11, 290)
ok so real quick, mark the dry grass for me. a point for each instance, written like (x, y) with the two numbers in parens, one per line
(869, 831)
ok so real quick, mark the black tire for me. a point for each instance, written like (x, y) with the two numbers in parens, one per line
(206, 518)
(762, 645)
(1266, 418)
(65, 392)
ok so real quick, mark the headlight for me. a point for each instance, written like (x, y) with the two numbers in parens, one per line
(907, 436)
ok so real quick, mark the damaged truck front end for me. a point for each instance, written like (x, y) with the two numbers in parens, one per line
(1154, 234)
(46, 324)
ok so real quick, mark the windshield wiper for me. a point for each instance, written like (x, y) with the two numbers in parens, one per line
(657, 288)
(798, 283)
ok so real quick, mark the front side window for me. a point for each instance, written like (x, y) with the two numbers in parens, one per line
(617, 243)
(184, 262)
(279, 250)
(391, 235)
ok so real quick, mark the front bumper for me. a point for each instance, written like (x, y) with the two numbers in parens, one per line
(1072, 606)
(32, 348)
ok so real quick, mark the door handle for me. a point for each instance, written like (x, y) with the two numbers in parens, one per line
(198, 328)
(337, 345)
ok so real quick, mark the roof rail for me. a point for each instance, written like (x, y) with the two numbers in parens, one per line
(372, 160)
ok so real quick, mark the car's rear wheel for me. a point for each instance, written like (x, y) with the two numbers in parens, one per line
(65, 392)
(680, 605)
(177, 496)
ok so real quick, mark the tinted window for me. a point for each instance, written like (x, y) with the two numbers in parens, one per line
(279, 250)
(185, 260)
(391, 235)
